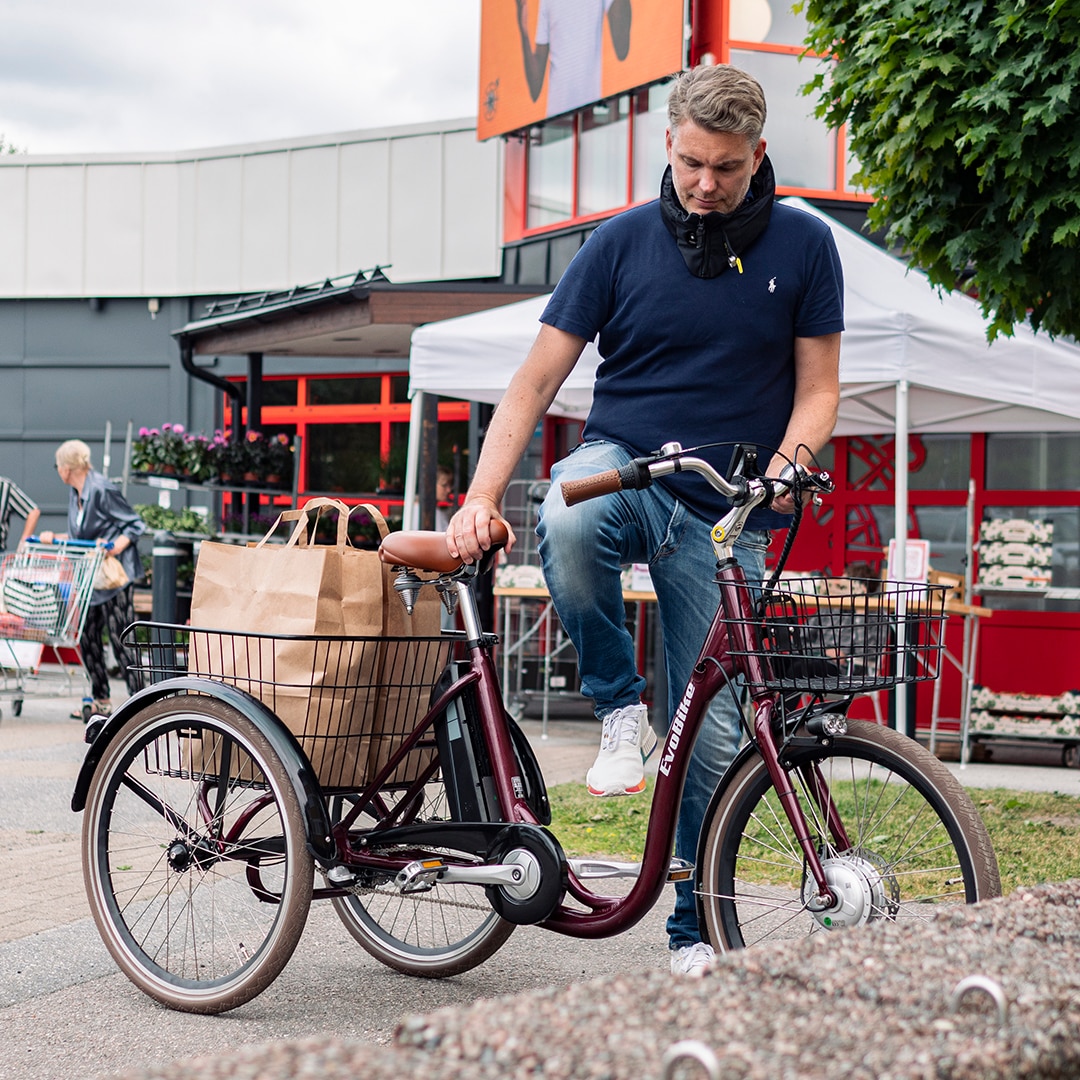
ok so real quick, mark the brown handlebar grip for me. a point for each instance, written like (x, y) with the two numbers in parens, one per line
(589, 487)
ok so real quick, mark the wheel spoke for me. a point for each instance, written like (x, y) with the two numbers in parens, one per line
(199, 880)
(913, 841)
(441, 931)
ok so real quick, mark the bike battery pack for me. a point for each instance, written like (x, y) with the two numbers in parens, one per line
(466, 768)
(466, 772)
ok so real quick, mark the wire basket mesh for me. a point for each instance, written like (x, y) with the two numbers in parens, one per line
(352, 703)
(860, 635)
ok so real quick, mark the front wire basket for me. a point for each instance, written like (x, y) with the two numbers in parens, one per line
(351, 702)
(848, 640)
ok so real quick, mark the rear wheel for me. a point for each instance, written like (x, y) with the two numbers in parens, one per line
(437, 933)
(913, 841)
(194, 855)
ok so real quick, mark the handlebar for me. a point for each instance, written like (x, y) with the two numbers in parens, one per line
(640, 473)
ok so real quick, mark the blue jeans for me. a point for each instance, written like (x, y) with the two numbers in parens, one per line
(583, 549)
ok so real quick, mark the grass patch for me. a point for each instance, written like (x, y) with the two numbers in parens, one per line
(1036, 835)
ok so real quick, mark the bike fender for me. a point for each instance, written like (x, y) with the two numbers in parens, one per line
(304, 782)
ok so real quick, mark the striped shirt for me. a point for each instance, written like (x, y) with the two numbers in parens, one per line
(13, 500)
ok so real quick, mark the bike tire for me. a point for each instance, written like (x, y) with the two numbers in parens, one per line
(434, 934)
(200, 920)
(917, 842)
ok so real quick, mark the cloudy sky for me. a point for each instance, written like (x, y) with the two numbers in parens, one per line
(98, 76)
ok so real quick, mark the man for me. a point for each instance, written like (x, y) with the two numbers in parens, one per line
(719, 318)
(13, 500)
(569, 40)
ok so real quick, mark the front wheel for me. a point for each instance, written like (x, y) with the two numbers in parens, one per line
(194, 855)
(897, 835)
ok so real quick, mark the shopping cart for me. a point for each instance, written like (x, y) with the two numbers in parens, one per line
(44, 597)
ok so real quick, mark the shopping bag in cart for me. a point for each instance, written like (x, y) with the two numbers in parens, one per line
(302, 588)
(38, 603)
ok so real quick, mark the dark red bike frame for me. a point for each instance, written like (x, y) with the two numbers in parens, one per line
(724, 655)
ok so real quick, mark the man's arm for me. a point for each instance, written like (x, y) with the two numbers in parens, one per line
(817, 398)
(618, 18)
(532, 389)
(535, 59)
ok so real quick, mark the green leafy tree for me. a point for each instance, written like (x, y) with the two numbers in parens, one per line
(964, 116)
(8, 148)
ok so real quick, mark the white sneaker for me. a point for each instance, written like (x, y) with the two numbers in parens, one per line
(625, 744)
(692, 960)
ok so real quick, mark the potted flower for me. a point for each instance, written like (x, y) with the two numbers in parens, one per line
(279, 461)
(195, 458)
(231, 459)
(159, 452)
(255, 444)
(215, 456)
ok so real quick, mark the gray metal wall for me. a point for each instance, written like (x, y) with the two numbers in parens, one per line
(68, 367)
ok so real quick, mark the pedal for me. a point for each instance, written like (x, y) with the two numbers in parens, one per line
(420, 875)
(680, 870)
(340, 876)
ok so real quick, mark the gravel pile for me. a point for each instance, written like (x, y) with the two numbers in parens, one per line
(875, 1004)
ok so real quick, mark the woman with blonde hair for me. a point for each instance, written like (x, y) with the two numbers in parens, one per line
(98, 511)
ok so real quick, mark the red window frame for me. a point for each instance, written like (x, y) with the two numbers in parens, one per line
(300, 415)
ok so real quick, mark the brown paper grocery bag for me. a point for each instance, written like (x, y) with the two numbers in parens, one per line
(326, 692)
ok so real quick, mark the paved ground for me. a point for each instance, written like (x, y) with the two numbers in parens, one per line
(65, 1009)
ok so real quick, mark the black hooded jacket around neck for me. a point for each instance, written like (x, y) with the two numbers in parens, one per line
(713, 243)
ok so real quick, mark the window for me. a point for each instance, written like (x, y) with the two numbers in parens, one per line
(650, 157)
(551, 173)
(355, 432)
(935, 462)
(343, 458)
(1030, 462)
(801, 148)
(603, 156)
(770, 21)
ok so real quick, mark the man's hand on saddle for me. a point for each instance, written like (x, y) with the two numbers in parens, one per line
(468, 535)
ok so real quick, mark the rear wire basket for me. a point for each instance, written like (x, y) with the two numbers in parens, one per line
(845, 642)
(351, 702)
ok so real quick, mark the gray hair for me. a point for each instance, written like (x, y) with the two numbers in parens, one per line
(719, 98)
(73, 454)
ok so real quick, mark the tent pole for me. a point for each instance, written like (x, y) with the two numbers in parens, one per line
(971, 628)
(412, 462)
(904, 724)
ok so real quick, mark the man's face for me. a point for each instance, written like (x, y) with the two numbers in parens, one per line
(711, 169)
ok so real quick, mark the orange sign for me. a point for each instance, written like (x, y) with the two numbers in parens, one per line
(541, 58)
